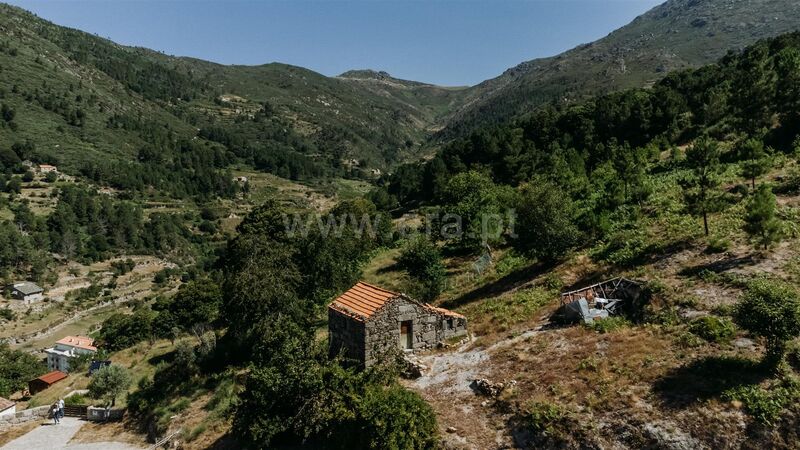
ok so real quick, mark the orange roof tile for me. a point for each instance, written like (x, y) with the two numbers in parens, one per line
(83, 342)
(362, 300)
(443, 311)
(52, 377)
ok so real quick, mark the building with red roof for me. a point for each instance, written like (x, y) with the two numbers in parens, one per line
(368, 321)
(45, 381)
(65, 349)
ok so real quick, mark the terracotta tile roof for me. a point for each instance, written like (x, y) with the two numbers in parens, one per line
(5, 404)
(83, 342)
(443, 311)
(362, 300)
(52, 377)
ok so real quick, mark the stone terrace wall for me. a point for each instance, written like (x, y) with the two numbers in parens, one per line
(24, 416)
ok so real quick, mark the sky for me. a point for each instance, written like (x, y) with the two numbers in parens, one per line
(446, 42)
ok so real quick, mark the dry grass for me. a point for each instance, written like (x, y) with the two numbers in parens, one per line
(14, 432)
(118, 431)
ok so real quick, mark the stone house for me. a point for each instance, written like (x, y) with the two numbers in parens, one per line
(367, 321)
(59, 355)
(26, 291)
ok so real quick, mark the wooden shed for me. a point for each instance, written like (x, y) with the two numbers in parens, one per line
(45, 381)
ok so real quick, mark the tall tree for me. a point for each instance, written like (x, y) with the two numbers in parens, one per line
(760, 221)
(699, 187)
(755, 158)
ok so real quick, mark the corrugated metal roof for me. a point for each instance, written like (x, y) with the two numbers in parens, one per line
(52, 377)
(362, 300)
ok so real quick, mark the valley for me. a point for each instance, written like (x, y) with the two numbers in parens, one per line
(152, 263)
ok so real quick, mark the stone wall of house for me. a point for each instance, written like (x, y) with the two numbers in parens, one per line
(427, 327)
(24, 416)
(345, 335)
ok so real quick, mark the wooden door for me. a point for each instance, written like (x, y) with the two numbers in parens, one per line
(406, 334)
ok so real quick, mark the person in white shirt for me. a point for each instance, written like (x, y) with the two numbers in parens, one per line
(61, 408)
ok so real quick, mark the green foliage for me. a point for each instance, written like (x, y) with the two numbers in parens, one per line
(473, 206)
(766, 405)
(545, 224)
(700, 187)
(196, 302)
(122, 331)
(542, 417)
(421, 259)
(755, 158)
(109, 383)
(76, 400)
(610, 324)
(16, 369)
(395, 418)
(770, 309)
(713, 329)
(760, 221)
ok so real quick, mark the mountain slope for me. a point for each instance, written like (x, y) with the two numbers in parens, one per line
(677, 34)
(91, 105)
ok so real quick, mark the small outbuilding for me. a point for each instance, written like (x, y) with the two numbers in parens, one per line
(26, 291)
(45, 381)
(367, 321)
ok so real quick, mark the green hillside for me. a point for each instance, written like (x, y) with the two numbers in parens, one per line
(678, 34)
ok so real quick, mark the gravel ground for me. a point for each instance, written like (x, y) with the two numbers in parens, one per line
(57, 437)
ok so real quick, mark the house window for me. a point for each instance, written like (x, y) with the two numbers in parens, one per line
(450, 324)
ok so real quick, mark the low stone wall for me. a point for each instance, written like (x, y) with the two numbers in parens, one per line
(96, 414)
(24, 416)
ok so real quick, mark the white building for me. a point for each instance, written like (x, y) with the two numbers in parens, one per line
(7, 408)
(26, 291)
(47, 168)
(71, 346)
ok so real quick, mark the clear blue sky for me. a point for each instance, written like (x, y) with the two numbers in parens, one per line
(448, 42)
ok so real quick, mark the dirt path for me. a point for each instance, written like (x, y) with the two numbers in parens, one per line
(56, 437)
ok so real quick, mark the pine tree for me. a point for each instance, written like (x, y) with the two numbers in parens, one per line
(700, 186)
(756, 160)
(760, 221)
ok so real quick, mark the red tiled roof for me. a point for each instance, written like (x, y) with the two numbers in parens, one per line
(443, 311)
(362, 300)
(52, 377)
(83, 342)
(5, 404)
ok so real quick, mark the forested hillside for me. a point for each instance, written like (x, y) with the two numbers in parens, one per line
(678, 34)
(134, 119)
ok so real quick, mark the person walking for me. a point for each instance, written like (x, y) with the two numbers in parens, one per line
(60, 408)
(54, 411)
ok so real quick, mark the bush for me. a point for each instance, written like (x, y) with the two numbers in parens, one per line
(770, 309)
(544, 417)
(609, 324)
(421, 259)
(76, 400)
(396, 418)
(713, 329)
(7, 314)
(765, 405)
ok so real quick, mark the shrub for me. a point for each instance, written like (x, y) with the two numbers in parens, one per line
(544, 417)
(76, 400)
(765, 405)
(770, 309)
(713, 329)
(609, 324)
(422, 260)
(395, 417)
(718, 244)
(7, 314)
